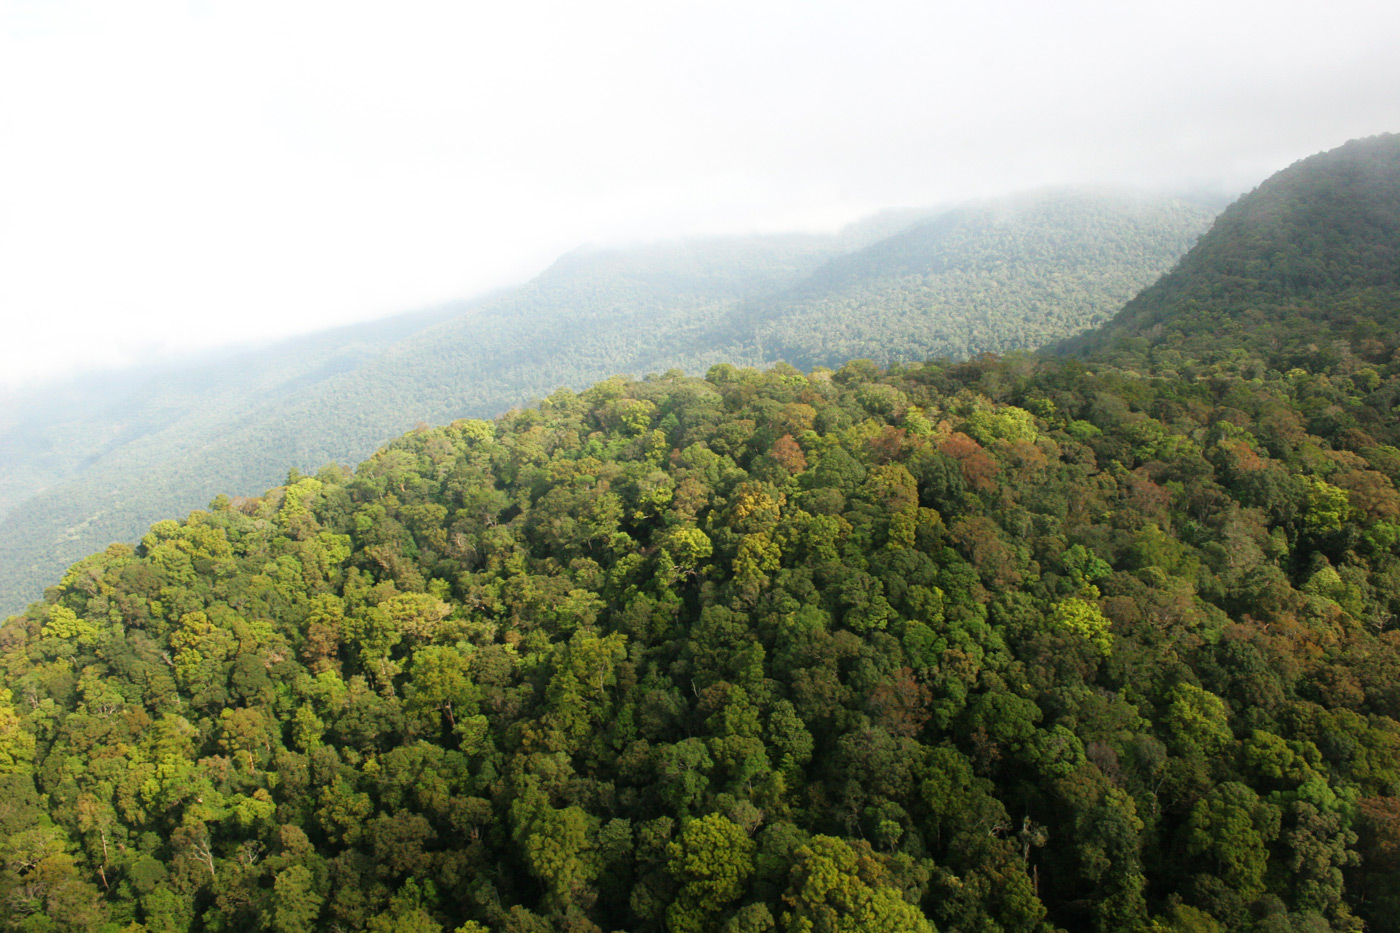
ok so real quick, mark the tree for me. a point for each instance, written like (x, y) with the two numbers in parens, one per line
(295, 902)
(839, 887)
(16, 743)
(1232, 827)
(712, 859)
(558, 847)
(1084, 620)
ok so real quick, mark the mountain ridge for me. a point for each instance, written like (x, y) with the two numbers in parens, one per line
(593, 313)
(1310, 254)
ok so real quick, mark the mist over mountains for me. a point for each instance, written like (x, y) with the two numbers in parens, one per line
(84, 465)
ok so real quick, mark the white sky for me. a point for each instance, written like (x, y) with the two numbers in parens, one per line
(176, 175)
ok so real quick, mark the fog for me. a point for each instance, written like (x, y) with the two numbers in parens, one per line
(181, 175)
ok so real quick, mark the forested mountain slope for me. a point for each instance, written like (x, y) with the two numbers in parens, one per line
(1302, 271)
(997, 646)
(164, 446)
(175, 441)
(998, 276)
(52, 433)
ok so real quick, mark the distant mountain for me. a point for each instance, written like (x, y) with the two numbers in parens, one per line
(99, 463)
(995, 276)
(1304, 271)
(52, 433)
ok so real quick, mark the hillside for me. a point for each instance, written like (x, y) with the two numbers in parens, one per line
(1302, 271)
(1030, 270)
(998, 276)
(53, 433)
(997, 646)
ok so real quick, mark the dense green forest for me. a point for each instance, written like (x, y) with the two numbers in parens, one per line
(1302, 272)
(989, 277)
(1104, 641)
(1003, 645)
(91, 464)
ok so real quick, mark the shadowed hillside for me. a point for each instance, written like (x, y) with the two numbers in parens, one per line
(1302, 271)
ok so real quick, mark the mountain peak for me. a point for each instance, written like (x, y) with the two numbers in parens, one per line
(1311, 254)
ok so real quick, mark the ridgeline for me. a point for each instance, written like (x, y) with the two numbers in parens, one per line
(93, 463)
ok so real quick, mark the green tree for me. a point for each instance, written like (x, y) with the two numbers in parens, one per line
(839, 887)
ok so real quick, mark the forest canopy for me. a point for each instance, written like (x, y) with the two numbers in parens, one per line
(1004, 645)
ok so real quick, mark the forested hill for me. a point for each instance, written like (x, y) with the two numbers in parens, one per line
(991, 277)
(995, 646)
(86, 477)
(1303, 271)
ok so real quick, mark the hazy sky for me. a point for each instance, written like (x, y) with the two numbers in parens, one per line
(184, 174)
